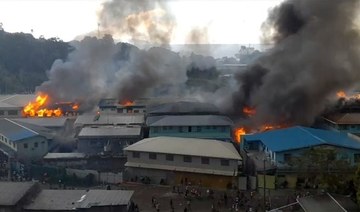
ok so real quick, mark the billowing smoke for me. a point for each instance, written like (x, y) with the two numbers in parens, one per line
(99, 68)
(316, 53)
(138, 21)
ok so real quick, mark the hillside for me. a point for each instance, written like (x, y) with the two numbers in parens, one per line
(24, 60)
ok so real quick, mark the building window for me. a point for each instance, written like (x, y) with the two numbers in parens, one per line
(2, 113)
(205, 160)
(165, 128)
(198, 129)
(25, 146)
(223, 129)
(225, 162)
(357, 158)
(152, 156)
(287, 158)
(136, 154)
(12, 112)
(208, 127)
(181, 129)
(36, 144)
(189, 129)
(170, 127)
(187, 159)
(169, 157)
(214, 127)
(156, 129)
(136, 111)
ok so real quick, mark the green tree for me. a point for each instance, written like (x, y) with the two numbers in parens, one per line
(323, 166)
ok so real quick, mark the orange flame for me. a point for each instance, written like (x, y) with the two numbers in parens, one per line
(238, 133)
(37, 108)
(249, 111)
(127, 103)
(341, 94)
(75, 107)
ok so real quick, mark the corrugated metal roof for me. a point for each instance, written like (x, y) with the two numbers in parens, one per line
(56, 200)
(15, 131)
(182, 107)
(344, 118)
(189, 120)
(19, 100)
(43, 122)
(4, 105)
(107, 131)
(105, 197)
(182, 169)
(320, 203)
(111, 119)
(301, 137)
(73, 199)
(186, 146)
(64, 155)
(12, 192)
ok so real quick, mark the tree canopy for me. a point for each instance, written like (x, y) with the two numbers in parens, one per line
(24, 60)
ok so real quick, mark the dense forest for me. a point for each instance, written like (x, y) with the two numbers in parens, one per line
(24, 60)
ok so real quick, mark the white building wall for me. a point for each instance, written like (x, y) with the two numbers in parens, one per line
(214, 163)
(32, 151)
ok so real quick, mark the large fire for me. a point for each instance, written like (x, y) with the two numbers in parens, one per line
(238, 133)
(343, 95)
(249, 111)
(40, 107)
(127, 103)
(241, 131)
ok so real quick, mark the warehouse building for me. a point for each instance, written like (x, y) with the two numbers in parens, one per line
(22, 142)
(172, 160)
(107, 139)
(191, 126)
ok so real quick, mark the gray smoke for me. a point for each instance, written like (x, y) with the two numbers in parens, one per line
(99, 68)
(141, 20)
(316, 53)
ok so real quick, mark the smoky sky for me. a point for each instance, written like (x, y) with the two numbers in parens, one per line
(316, 53)
(100, 68)
(141, 20)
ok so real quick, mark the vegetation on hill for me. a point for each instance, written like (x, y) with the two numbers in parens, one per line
(24, 60)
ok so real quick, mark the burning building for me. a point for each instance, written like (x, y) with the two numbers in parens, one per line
(43, 106)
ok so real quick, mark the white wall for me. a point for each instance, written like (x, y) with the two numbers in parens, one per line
(215, 163)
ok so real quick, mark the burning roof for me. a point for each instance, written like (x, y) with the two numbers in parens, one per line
(42, 107)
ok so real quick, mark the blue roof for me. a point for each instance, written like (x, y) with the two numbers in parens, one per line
(15, 131)
(302, 137)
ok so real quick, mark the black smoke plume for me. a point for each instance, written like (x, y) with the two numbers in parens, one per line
(316, 53)
(99, 68)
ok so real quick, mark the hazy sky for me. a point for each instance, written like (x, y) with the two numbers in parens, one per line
(229, 21)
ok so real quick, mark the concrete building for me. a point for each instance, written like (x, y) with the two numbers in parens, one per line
(172, 160)
(14, 195)
(343, 122)
(113, 106)
(22, 142)
(11, 105)
(72, 159)
(107, 139)
(191, 126)
(81, 200)
(281, 145)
